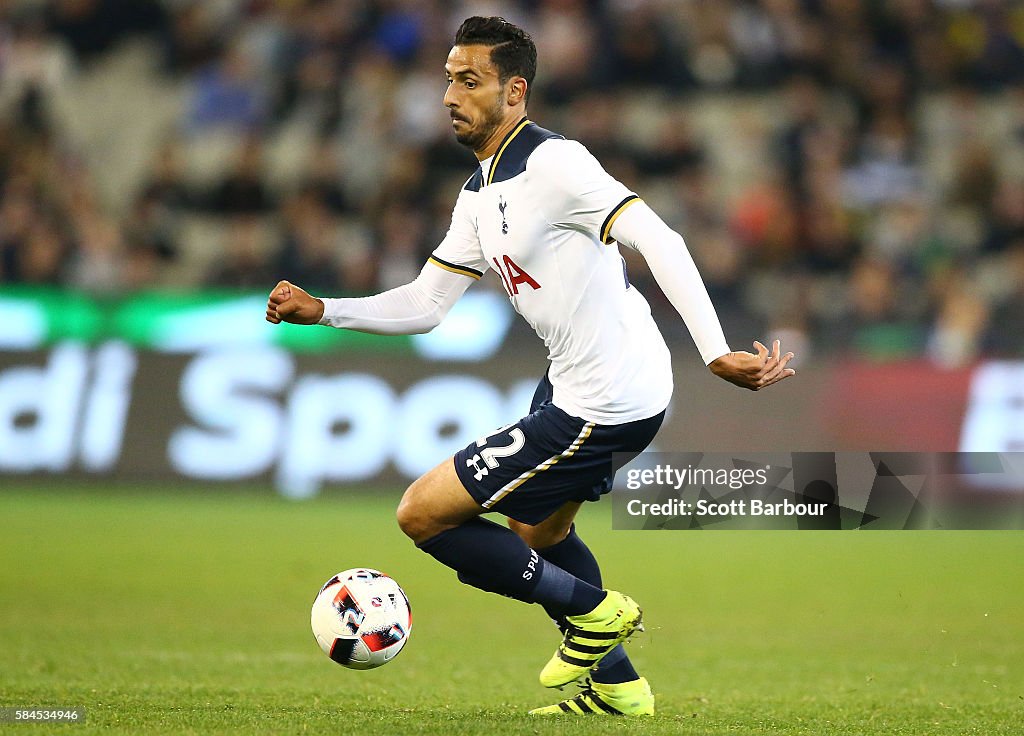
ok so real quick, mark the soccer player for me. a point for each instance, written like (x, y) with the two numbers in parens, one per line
(545, 217)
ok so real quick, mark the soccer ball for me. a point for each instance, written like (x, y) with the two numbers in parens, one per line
(361, 618)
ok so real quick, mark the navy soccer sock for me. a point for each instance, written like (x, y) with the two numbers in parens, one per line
(573, 556)
(493, 558)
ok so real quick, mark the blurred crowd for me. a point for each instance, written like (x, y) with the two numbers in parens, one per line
(848, 174)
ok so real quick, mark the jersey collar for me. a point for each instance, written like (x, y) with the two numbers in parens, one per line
(513, 151)
(512, 134)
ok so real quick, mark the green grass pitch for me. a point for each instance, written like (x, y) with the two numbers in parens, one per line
(167, 612)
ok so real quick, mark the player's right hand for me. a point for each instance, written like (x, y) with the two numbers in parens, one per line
(289, 303)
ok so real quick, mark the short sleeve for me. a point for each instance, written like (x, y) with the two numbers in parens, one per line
(576, 190)
(460, 250)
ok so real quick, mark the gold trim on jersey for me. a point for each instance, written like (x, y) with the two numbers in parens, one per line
(497, 157)
(606, 229)
(461, 270)
(569, 452)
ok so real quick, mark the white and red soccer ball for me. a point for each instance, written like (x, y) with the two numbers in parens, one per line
(361, 618)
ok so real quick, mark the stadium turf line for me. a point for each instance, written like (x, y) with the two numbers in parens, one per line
(164, 612)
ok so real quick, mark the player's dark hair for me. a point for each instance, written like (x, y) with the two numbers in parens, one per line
(512, 50)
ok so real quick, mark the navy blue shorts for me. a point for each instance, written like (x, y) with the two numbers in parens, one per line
(530, 469)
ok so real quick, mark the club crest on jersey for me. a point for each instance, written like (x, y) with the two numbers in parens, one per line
(502, 204)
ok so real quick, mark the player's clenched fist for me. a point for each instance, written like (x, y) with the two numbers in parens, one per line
(289, 303)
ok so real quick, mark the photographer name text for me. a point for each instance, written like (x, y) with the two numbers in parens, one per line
(735, 507)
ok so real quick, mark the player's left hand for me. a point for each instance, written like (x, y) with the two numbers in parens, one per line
(754, 371)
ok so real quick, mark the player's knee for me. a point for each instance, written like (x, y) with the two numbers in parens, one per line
(408, 517)
(414, 518)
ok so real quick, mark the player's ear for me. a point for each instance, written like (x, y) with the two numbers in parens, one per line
(516, 91)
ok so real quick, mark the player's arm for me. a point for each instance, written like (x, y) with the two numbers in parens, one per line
(638, 227)
(416, 307)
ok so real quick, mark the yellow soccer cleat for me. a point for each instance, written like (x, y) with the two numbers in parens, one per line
(590, 636)
(624, 699)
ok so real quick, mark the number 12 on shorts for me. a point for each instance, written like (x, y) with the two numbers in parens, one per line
(490, 455)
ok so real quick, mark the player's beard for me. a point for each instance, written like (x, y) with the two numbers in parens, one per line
(474, 139)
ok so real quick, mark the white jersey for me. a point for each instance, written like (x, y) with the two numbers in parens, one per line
(540, 213)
